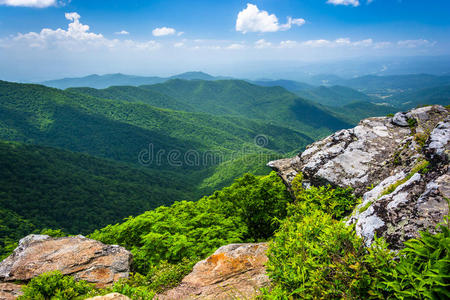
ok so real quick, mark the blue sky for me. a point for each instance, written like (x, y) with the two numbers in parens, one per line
(163, 37)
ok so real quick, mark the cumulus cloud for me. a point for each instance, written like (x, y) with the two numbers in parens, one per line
(162, 31)
(415, 43)
(235, 47)
(317, 43)
(260, 44)
(345, 2)
(29, 3)
(340, 42)
(251, 19)
(122, 32)
(288, 44)
(76, 37)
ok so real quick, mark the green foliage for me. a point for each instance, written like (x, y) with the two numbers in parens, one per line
(336, 202)
(56, 233)
(165, 275)
(12, 228)
(422, 271)
(421, 138)
(355, 112)
(240, 98)
(336, 96)
(121, 130)
(412, 123)
(421, 167)
(136, 287)
(245, 211)
(55, 286)
(314, 256)
(42, 187)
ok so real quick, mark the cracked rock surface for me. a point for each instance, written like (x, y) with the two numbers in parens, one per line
(399, 166)
(78, 256)
(233, 271)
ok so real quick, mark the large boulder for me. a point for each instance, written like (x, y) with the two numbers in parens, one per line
(10, 291)
(78, 256)
(233, 271)
(399, 166)
(111, 296)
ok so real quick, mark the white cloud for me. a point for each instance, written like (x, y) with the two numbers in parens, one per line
(163, 31)
(317, 43)
(251, 19)
(340, 42)
(235, 47)
(260, 44)
(29, 3)
(288, 44)
(76, 37)
(180, 33)
(122, 32)
(363, 43)
(344, 2)
(178, 45)
(415, 43)
(382, 45)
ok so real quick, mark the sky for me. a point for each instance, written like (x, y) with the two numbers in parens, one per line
(47, 39)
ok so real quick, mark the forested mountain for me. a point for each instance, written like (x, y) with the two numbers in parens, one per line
(290, 85)
(334, 95)
(134, 94)
(435, 95)
(240, 98)
(77, 192)
(355, 112)
(395, 83)
(121, 130)
(107, 80)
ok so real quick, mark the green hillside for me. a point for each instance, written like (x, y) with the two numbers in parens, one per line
(436, 95)
(395, 83)
(334, 96)
(107, 80)
(240, 98)
(290, 85)
(355, 112)
(77, 192)
(121, 130)
(134, 94)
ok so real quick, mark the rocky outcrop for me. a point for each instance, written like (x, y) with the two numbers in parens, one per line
(233, 271)
(112, 296)
(78, 256)
(398, 165)
(10, 291)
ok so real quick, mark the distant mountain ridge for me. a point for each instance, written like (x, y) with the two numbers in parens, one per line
(107, 80)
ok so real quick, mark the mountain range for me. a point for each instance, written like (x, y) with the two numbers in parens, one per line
(169, 139)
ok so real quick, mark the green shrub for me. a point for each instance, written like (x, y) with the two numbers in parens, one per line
(55, 286)
(247, 211)
(315, 256)
(166, 275)
(337, 202)
(422, 271)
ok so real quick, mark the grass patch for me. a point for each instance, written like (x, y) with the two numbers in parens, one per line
(365, 207)
(421, 167)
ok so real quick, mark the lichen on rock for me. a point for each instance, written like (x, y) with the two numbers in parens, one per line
(403, 159)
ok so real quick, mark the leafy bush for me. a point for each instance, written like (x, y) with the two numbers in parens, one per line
(55, 286)
(422, 271)
(315, 256)
(245, 211)
(336, 202)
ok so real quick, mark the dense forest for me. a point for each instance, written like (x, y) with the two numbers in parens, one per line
(85, 160)
(311, 255)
